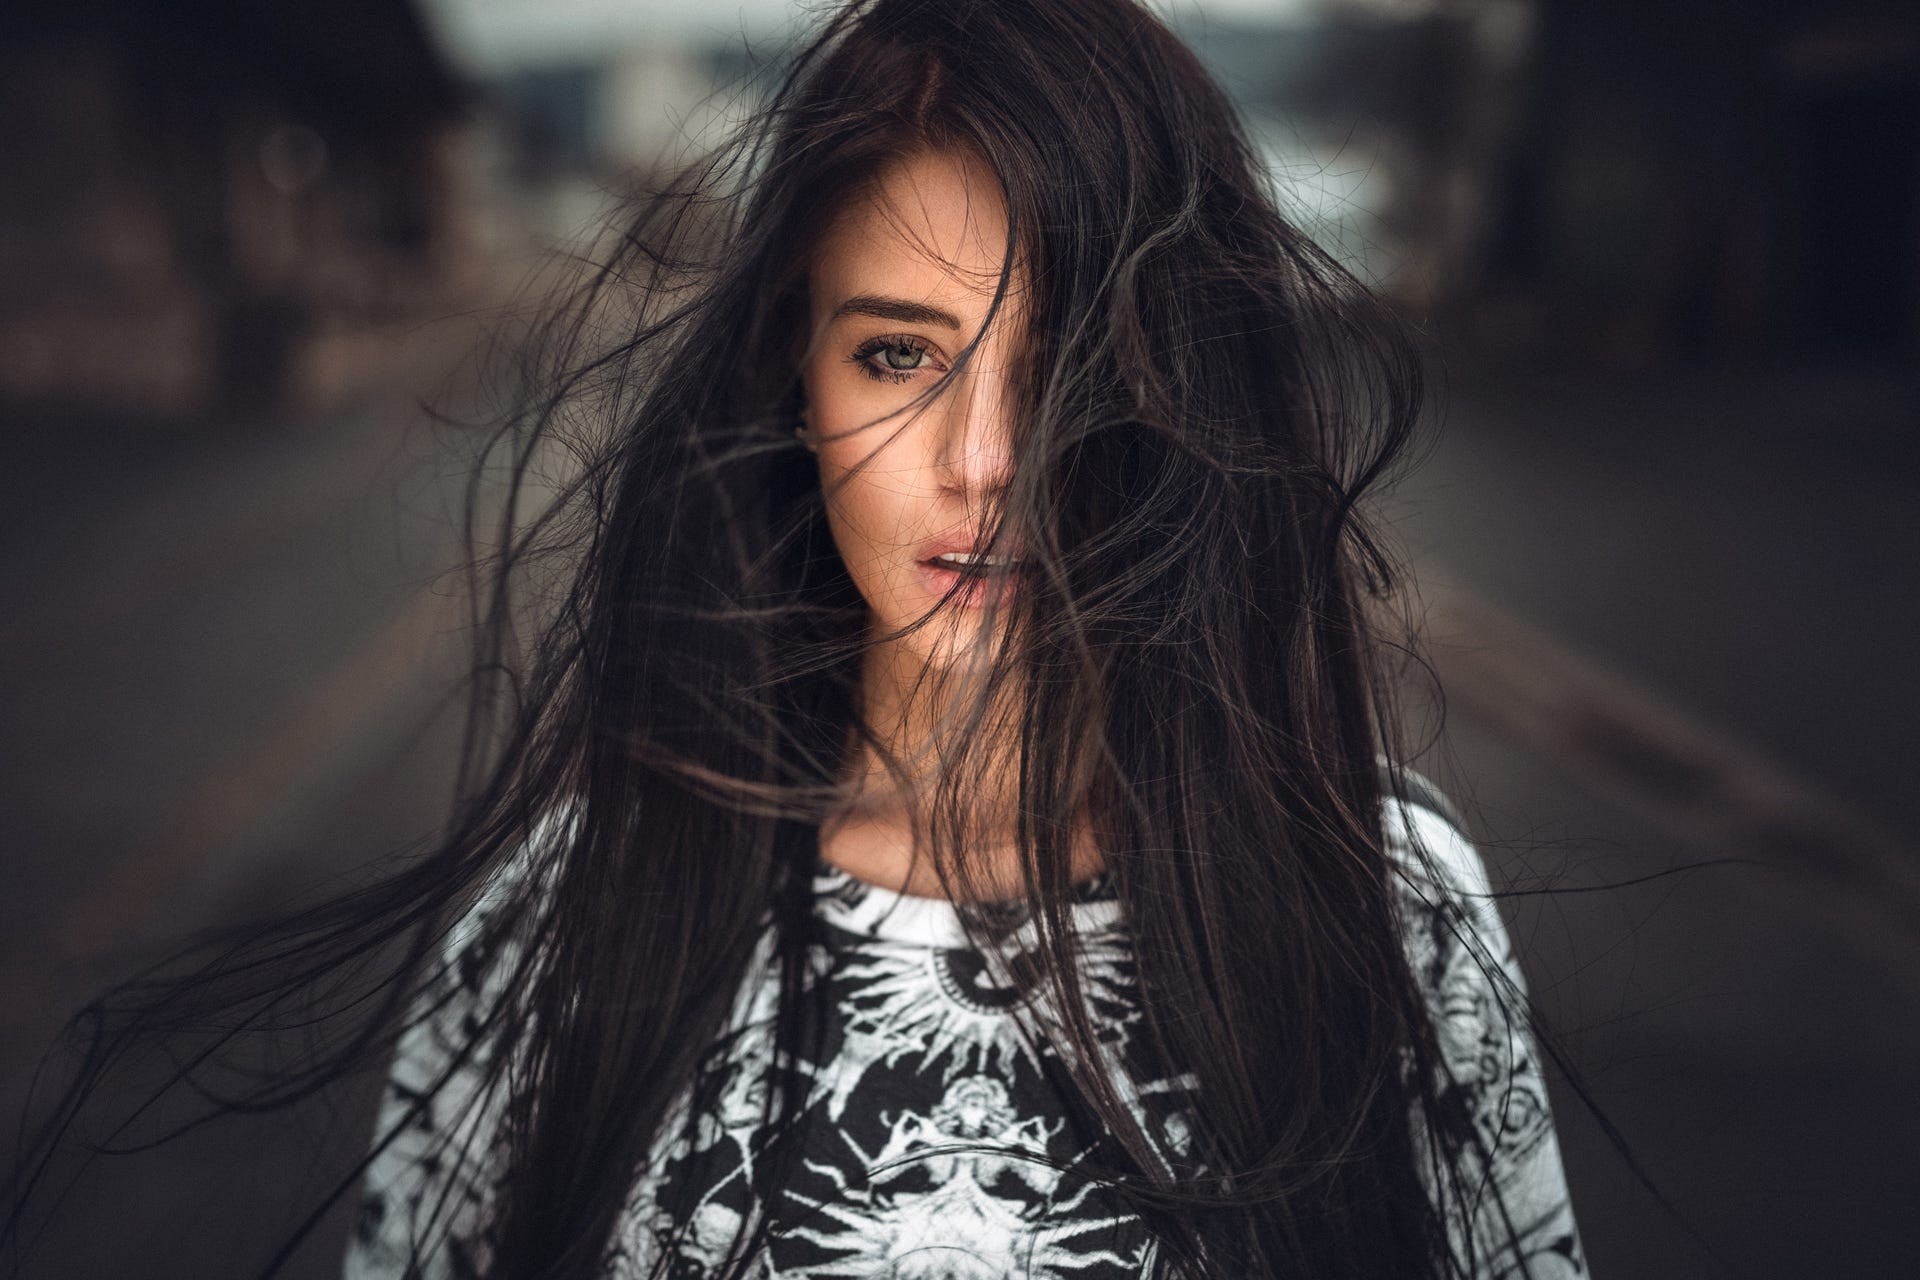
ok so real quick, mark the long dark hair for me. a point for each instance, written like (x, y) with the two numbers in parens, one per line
(670, 648)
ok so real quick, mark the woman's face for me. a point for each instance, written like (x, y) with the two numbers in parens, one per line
(901, 282)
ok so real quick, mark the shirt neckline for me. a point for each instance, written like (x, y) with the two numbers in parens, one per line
(874, 911)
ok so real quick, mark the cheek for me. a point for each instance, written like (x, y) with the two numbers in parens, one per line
(876, 526)
(863, 514)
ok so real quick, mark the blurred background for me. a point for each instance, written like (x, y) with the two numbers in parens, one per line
(1665, 259)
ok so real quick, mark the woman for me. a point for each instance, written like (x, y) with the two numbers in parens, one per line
(949, 829)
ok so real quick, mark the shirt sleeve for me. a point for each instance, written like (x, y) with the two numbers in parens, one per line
(426, 1197)
(1464, 959)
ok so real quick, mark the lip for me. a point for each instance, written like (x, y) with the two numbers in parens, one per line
(962, 543)
(968, 593)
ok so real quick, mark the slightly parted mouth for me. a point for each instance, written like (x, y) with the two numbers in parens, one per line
(973, 564)
(965, 547)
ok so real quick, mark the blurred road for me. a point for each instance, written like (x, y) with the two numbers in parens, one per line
(226, 654)
(230, 643)
(1741, 547)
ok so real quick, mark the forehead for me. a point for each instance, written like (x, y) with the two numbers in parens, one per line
(932, 227)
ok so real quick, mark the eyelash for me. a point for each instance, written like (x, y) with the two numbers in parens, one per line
(863, 354)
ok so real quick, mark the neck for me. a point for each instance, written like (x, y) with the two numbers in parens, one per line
(880, 833)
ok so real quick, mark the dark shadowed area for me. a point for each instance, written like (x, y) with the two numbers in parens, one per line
(1666, 262)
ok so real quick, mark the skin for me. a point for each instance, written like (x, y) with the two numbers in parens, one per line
(929, 239)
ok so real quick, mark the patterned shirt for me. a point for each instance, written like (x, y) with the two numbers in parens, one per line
(927, 1103)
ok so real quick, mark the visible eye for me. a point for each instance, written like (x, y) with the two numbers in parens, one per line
(900, 358)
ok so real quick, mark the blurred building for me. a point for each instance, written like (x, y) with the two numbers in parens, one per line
(1715, 180)
(1372, 118)
(217, 204)
(1382, 122)
(1642, 183)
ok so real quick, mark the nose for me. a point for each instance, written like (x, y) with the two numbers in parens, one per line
(976, 450)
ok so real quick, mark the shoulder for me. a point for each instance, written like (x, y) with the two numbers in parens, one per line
(1465, 963)
(530, 858)
(1463, 959)
(432, 1166)
(1436, 868)
(1457, 943)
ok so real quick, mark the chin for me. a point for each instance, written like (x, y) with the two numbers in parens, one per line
(943, 642)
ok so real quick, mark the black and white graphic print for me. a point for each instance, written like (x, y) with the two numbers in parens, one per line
(926, 1109)
(1454, 940)
(926, 1106)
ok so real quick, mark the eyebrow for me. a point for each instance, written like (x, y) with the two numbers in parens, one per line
(899, 309)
